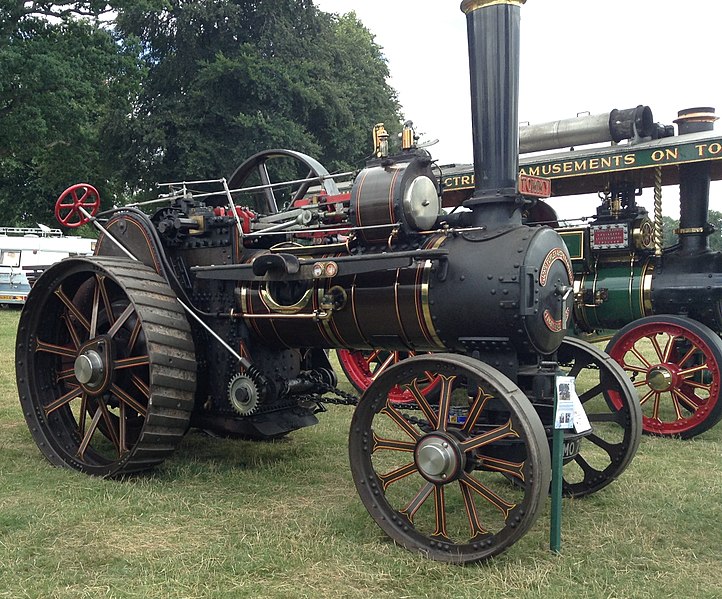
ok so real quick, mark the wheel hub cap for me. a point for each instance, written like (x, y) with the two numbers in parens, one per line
(438, 459)
(89, 368)
(659, 378)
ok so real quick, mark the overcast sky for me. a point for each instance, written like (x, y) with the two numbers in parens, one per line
(576, 56)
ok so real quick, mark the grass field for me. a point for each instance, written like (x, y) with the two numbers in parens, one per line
(237, 519)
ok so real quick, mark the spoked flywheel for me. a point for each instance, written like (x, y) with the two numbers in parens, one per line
(611, 405)
(105, 366)
(436, 479)
(675, 364)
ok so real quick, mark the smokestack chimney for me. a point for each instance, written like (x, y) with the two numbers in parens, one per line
(493, 34)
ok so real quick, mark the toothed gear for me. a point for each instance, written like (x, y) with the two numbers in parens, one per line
(243, 394)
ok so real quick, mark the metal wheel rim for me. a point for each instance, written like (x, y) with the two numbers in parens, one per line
(422, 517)
(691, 356)
(134, 415)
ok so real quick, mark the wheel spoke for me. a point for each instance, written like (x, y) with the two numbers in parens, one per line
(401, 422)
(473, 484)
(58, 350)
(440, 509)
(690, 371)
(64, 375)
(132, 362)
(141, 385)
(515, 469)
(109, 424)
(477, 407)
(679, 396)
(107, 305)
(472, 514)
(633, 368)
(608, 447)
(501, 432)
(640, 357)
(129, 400)
(396, 475)
(391, 444)
(74, 310)
(413, 506)
(89, 434)
(383, 366)
(590, 393)
(134, 336)
(75, 338)
(645, 399)
(429, 413)
(692, 350)
(444, 401)
(668, 348)
(63, 400)
(94, 311)
(121, 320)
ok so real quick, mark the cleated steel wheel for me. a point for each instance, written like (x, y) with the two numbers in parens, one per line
(435, 479)
(611, 405)
(105, 366)
(363, 367)
(674, 363)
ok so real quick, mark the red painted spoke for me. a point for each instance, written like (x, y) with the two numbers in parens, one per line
(128, 399)
(687, 372)
(684, 399)
(401, 422)
(444, 401)
(106, 299)
(121, 320)
(640, 357)
(141, 385)
(396, 475)
(657, 347)
(476, 528)
(383, 366)
(371, 358)
(696, 385)
(419, 499)
(668, 348)
(65, 399)
(89, 433)
(440, 509)
(692, 350)
(392, 444)
(109, 425)
(132, 362)
(655, 408)
(515, 469)
(644, 399)
(641, 383)
(501, 432)
(503, 506)
(477, 407)
(58, 350)
(634, 368)
(429, 413)
(75, 338)
(72, 308)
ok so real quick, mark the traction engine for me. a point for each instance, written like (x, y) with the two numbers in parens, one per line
(215, 312)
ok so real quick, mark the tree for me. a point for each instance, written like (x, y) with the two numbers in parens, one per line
(62, 85)
(230, 78)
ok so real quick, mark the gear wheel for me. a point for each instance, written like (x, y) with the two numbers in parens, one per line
(243, 394)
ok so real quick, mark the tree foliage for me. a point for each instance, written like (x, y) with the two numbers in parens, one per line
(81, 99)
(62, 84)
(229, 78)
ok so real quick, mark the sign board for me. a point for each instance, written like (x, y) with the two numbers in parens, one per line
(536, 187)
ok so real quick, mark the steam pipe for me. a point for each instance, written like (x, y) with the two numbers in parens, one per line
(493, 37)
(616, 125)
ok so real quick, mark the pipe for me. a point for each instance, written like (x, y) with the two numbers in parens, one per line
(616, 125)
(493, 37)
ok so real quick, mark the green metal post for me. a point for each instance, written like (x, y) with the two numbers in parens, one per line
(555, 531)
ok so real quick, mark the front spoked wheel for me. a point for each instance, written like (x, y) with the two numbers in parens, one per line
(105, 366)
(435, 479)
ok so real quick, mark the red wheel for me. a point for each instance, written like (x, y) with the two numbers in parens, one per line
(363, 368)
(674, 363)
(73, 201)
